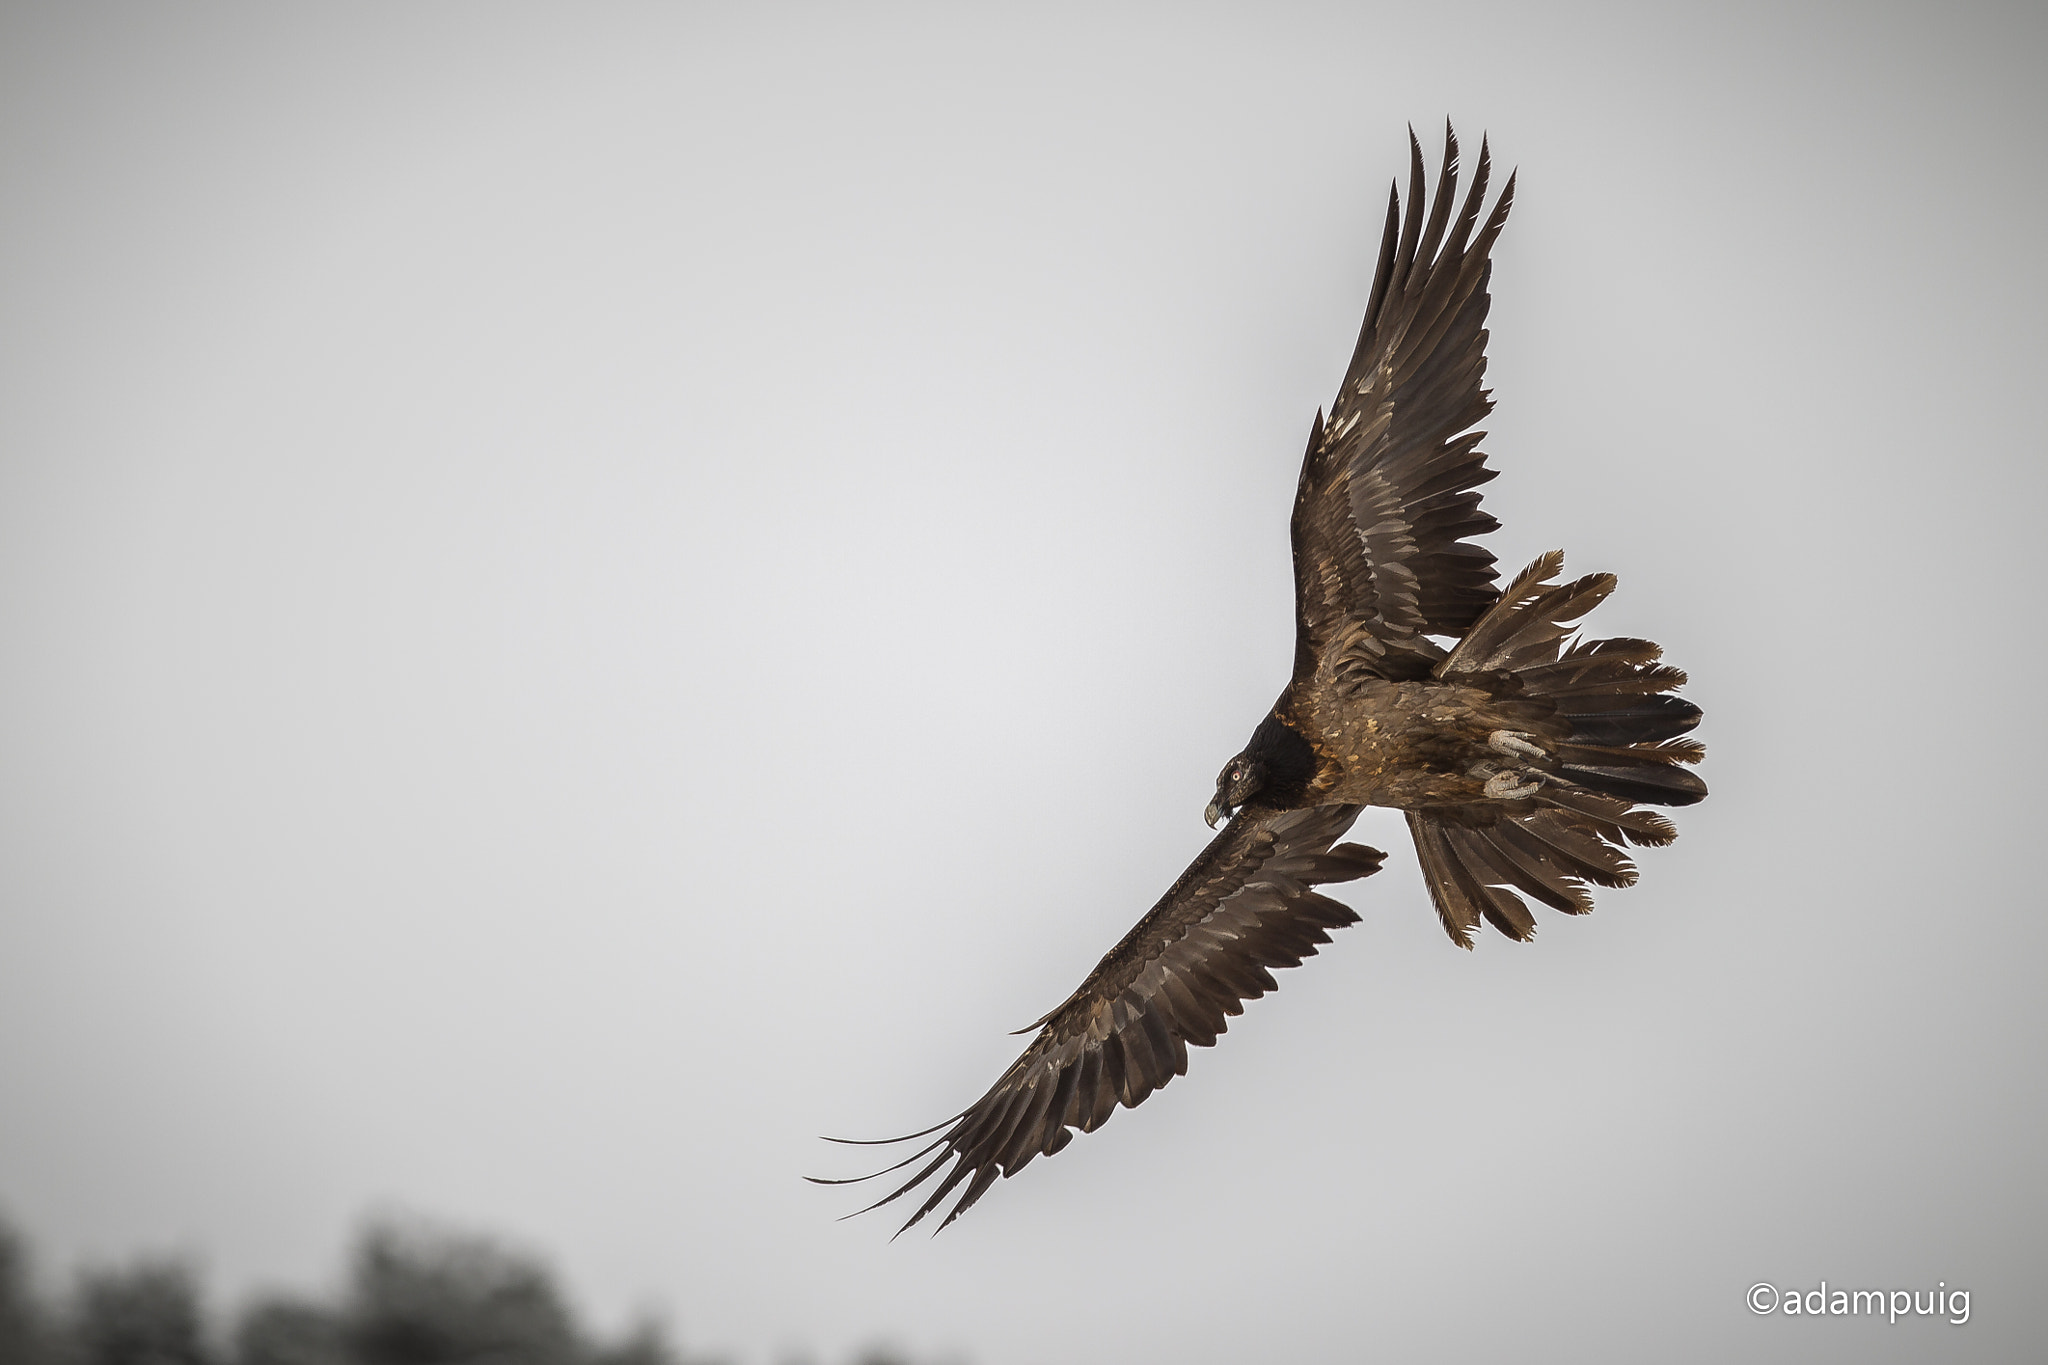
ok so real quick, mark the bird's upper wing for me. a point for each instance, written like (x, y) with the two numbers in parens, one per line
(1243, 906)
(1385, 515)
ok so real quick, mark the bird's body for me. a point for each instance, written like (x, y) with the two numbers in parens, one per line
(1518, 755)
(1415, 745)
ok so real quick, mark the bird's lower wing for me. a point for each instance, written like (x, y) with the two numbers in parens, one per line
(1246, 905)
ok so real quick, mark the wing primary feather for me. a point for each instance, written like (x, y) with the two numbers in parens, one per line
(983, 1178)
(858, 1179)
(1446, 188)
(1475, 198)
(1021, 1135)
(941, 1159)
(1382, 276)
(1411, 228)
(891, 1142)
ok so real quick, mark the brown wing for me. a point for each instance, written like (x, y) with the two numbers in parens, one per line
(1385, 515)
(1243, 906)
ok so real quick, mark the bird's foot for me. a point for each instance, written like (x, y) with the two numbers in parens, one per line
(1514, 744)
(1509, 785)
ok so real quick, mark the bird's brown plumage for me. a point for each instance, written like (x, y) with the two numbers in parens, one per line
(1519, 755)
(1384, 513)
(1246, 905)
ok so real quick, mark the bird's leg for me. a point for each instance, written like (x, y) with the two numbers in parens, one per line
(1508, 786)
(1512, 784)
(1514, 744)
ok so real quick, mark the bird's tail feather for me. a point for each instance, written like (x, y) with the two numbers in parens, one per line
(1613, 733)
(1617, 726)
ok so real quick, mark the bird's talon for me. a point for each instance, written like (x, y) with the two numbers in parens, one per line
(1508, 786)
(1513, 743)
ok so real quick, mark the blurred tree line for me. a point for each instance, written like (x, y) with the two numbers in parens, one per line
(413, 1296)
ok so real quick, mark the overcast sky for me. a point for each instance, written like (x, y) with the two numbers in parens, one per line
(590, 593)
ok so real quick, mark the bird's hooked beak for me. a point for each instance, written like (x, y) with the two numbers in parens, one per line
(1238, 783)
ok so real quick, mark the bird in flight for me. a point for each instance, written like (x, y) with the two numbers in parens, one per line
(1519, 753)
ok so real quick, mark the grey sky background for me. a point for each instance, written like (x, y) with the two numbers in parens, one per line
(590, 594)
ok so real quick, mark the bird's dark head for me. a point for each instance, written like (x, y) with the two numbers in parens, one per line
(1274, 772)
(1241, 780)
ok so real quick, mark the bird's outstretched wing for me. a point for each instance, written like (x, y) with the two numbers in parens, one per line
(1244, 906)
(1385, 516)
